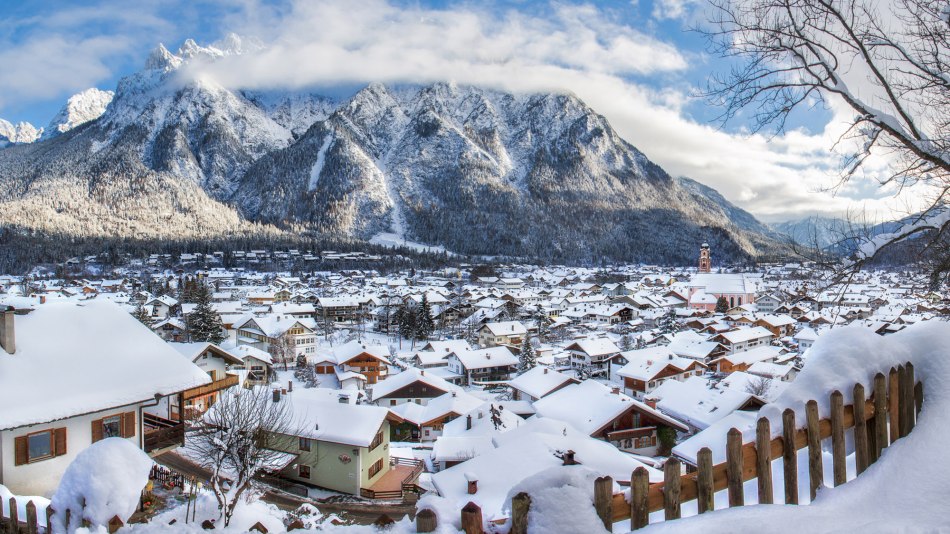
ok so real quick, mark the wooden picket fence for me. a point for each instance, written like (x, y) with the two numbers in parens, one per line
(888, 415)
(31, 524)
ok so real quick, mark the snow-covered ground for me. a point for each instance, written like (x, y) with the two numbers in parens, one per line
(389, 239)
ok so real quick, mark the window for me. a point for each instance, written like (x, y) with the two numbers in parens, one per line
(112, 427)
(392, 402)
(304, 444)
(376, 468)
(303, 471)
(40, 445)
(377, 440)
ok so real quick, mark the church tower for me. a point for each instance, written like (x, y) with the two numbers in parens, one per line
(705, 263)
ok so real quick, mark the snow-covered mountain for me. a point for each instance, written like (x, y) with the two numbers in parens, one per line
(20, 133)
(476, 170)
(79, 109)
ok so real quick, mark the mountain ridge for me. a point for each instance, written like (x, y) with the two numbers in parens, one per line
(476, 170)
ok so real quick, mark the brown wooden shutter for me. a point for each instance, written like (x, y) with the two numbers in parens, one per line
(59, 439)
(96, 430)
(21, 455)
(128, 424)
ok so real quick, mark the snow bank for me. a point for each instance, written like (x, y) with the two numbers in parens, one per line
(108, 477)
(906, 490)
(562, 500)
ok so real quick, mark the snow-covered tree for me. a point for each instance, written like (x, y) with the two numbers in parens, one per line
(528, 359)
(234, 441)
(282, 350)
(142, 315)
(424, 324)
(305, 373)
(204, 324)
(722, 305)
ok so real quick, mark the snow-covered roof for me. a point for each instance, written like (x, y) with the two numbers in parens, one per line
(695, 402)
(320, 419)
(76, 358)
(347, 352)
(724, 283)
(453, 403)
(645, 364)
(506, 328)
(594, 347)
(590, 405)
(193, 350)
(539, 381)
(482, 358)
(395, 382)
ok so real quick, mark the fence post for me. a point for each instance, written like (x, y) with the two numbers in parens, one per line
(918, 398)
(671, 489)
(116, 523)
(893, 408)
(880, 415)
(14, 525)
(734, 467)
(909, 401)
(603, 500)
(520, 505)
(49, 519)
(815, 472)
(471, 519)
(426, 521)
(763, 459)
(902, 400)
(789, 456)
(639, 493)
(860, 430)
(838, 466)
(704, 481)
(31, 523)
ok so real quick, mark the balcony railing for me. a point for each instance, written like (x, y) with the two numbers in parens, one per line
(225, 383)
(161, 433)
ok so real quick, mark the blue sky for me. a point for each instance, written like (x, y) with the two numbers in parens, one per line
(636, 62)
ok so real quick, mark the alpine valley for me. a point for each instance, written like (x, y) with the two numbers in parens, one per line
(471, 169)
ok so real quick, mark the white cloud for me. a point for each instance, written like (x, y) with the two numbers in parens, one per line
(577, 49)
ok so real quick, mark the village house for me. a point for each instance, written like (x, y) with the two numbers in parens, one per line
(56, 407)
(741, 361)
(339, 446)
(267, 332)
(537, 383)
(594, 353)
(504, 333)
(424, 422)
(647, 368)
(607, 414)
(780, 325)
(215, 361)
(742, 339)
(370, 361)
(412, 385)
(337, 309)
(483, 365)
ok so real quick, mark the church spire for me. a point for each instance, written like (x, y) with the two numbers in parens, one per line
(705, 262)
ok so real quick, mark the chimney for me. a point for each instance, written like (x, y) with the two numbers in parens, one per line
(422, 372)
(615, 390)
(42, 299)
(569, 458)
(7, 332)
(651, 403)
(276, 395)
(468, 422)
(472, 483)
(545, 370)
(290, 385)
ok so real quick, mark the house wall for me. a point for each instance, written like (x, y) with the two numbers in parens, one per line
(326, 468)
(42, 477)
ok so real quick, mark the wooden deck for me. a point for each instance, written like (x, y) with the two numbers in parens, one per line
(392, 479)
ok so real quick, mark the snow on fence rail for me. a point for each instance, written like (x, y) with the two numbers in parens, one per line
(878, 420)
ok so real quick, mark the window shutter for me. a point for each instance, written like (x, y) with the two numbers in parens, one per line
(59, 439)
(128, 424)
(96, 430)
(20, 444)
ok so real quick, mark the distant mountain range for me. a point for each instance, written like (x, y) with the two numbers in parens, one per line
(475, 170)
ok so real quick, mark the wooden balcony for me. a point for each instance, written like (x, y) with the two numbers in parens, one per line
(161, 433)
(218, 385)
